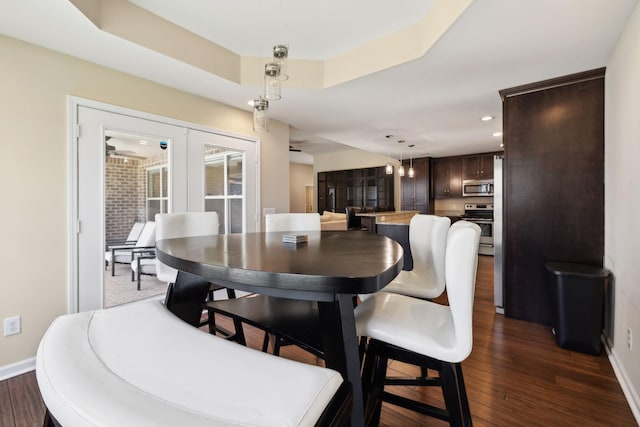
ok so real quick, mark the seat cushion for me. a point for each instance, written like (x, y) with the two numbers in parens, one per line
(147, 266)
(420, 326)
(412, 284)
(139, 365)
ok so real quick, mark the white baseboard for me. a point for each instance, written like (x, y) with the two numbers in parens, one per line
(17, 368)
(625, 383)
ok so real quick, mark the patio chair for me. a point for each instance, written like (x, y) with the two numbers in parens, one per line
(131, 239)
(124, 254)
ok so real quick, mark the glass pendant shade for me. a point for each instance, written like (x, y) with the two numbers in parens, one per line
(272, 86)
(389, 169)
(411, 172)
(280, 55)
(401, 170)
(260, 115)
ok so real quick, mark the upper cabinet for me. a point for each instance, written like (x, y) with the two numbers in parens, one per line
(415, 191)
(446, 177)
(479, 166)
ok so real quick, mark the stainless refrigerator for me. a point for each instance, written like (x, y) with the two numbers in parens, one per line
(498, 241)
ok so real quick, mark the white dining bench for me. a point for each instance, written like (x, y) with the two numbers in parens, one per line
(140, 365)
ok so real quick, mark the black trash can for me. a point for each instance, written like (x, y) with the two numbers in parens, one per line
(577, 293)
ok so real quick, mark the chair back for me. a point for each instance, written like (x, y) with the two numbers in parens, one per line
(135, 232)
(428, 242)
(293, 222)
(184, 224)
(147, 235)
(461, 263)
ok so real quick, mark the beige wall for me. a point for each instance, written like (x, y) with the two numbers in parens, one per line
(300, 176)
(34, 84)
(622, 202)
(354, 159)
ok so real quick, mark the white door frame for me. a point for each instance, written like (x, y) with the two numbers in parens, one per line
(73, 105)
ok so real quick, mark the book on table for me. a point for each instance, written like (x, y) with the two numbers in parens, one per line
(294, 238)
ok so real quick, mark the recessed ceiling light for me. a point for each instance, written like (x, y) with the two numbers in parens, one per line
(497, 134)
(486, 118)
(143, 142)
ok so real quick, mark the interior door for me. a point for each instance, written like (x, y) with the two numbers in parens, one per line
(88, 187)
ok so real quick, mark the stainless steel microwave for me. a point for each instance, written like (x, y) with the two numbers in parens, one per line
(477, 187)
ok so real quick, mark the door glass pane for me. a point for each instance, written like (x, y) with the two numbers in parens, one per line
(216, 205)
(234, 174)
(214, 177)
(136, 189)
(235, 215)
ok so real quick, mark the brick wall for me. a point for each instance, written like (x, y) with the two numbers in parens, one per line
(121, 197)
(125, 193)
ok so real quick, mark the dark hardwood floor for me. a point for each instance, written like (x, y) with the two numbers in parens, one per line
(515, 376)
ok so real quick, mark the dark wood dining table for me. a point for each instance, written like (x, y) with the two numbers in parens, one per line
(330, 268)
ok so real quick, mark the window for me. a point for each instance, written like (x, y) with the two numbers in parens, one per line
(224, 189)
(157, 191)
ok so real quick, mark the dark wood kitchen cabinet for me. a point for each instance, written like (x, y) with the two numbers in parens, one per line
(553, 186)
(446, 177)
(415, 192)
(479, 166)
(370, 187)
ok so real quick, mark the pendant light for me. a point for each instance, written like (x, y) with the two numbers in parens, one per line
(389, 169)
(272, 86)
(280, 55)
(411, 173)
(401, 168)
(260, 115)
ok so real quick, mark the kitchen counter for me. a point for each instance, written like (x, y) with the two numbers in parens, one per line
(371, 219)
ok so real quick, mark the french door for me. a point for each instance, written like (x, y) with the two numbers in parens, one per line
(192, 157)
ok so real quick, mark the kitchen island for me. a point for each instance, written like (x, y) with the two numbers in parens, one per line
(371, 219)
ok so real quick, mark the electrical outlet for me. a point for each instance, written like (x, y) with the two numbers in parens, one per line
(630, 339)
(12, 326)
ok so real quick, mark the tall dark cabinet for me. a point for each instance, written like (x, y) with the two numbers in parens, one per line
(416, 194)
(554, 185)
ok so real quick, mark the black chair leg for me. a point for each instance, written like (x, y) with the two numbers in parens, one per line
(452, 395)
(373, 376)
(464, 401)
(265, 343)
(49, 420)
(362, 349)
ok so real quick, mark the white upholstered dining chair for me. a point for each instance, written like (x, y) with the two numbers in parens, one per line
(428, 242)
(425, 334)
(183, 224)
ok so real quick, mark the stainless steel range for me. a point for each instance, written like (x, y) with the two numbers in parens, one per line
(481, 214)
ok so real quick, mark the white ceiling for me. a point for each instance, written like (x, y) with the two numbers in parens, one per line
(434, 102)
